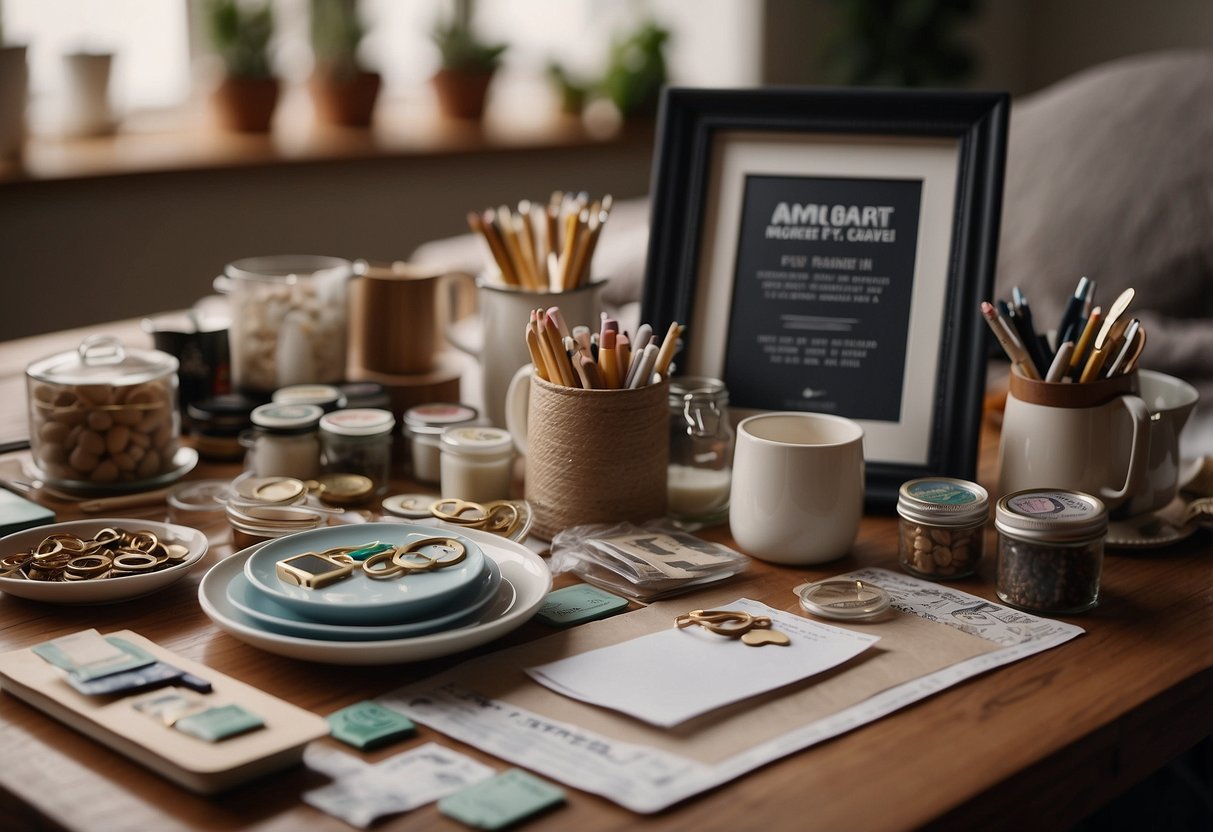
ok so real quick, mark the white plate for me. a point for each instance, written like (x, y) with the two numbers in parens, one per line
(277, 618)
(359, 599)
(523, 571)
(106, 590)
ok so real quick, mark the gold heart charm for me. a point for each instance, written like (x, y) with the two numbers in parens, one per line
(757, 638)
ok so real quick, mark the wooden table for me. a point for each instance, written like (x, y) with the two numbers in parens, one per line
(1043, 741)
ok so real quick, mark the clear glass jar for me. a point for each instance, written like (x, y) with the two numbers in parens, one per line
(477, 464)
(941, 533)
(285, 441)
(423, 427)
(359, 441)
(1050, 550)
(104, 417)
(701, 451)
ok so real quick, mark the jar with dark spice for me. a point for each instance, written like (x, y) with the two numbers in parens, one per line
(1050, 550)
(941, 534)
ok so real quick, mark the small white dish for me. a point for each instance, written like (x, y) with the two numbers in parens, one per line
(104, 590)
(282, 619)
(524, 572)
(359, 599)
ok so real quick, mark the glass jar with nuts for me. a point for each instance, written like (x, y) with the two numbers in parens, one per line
(941, 533)
(103, 416)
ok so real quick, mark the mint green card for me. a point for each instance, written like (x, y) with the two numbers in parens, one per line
(218, 723)
(577, 604)
(368, 724)
(502, 800)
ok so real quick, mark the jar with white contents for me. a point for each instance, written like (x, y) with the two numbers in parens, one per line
(477, 463)
(423, 427)
(286, 441)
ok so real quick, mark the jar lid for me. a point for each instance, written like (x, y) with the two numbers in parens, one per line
(363, 421)
(229, 411)
(287, 417)
(1051, 515)
(433, 418)
(102, 359)
(345, 489)
(476, 440)
(843, 600)
(365, 394)
(702, 386)
(327, 396)
(945, 501)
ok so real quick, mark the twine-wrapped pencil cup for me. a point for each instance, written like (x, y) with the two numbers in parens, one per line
(593, 456)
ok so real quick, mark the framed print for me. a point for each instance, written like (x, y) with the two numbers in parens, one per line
(828, 250)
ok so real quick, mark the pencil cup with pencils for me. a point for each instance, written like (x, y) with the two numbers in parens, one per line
(592, 456)
(504, 312)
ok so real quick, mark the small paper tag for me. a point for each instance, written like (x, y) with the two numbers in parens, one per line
(577, 604)
(88, 656)
(219, 723)
(368, 724)
(154, 675)
(169, 704)
(502, 800)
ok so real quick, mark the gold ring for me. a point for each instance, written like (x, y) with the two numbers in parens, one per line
(402, 556)
(392, 570)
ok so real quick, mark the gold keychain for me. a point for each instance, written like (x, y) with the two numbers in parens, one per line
(754, 630)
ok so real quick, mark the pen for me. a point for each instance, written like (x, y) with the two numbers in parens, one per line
(1116, 367)
(1061, 362)
(645, 361)
(1072, 311)
(1006, 338)
(1078, 359)
(1027, 331)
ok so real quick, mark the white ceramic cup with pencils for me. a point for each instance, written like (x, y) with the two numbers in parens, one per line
(503, 314)
(797, 493)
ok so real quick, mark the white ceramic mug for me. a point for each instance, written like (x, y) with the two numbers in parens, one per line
(797, 493)
(1170, 401)
(504, 312)
(1092, 437)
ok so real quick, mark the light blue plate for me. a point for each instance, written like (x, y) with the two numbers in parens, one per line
(359, 599)
(281, 619)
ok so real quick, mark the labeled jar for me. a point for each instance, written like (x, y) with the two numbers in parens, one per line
(701, 451)
(941, 531)
(286, 441)
(423, 427)
(1050, 550)
(104, 416)
(359, 441)
(477, 463)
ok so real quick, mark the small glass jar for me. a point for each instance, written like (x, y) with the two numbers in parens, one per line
(1050, 550)
(217, 423)
(285, 441)
(477, 463)
(941, 533)
(701, 451)
(359, 441)
(423, 427)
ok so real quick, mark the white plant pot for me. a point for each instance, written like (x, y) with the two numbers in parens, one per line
(13, 94)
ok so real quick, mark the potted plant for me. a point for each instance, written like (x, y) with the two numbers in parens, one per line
(240, 32)
(13, 95)
(343, 89)
(468, 65)
(636, 71)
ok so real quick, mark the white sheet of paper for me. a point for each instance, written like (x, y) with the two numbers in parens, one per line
(671, 676)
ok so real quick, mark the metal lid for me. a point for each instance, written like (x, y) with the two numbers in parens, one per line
(434, 418)
(473, 440)
(943, 501)
(843, 600)
(1051, 515)
(102, 359)
(228, 411)
(326, 395)
(363, 421)
(287, 417)
(698, 386)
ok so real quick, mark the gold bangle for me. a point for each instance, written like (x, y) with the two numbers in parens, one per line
(130, 560)
(457, 511)
(392, 569)
(425, 562)
(89, 566)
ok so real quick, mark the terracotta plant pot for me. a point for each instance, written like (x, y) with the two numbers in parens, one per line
(348, 101)
(246, 105)
(462, 93)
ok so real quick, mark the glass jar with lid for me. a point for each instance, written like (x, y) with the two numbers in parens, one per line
(423, 427)
(103, 416)
(1050, 549)
(477, 463)
(941, 531)
(359, 441)
(701, 451)
(285, 441)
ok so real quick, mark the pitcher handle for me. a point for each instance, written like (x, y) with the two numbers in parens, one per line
(456, 284)
(1139, 456)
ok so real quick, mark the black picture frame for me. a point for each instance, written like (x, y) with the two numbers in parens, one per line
(693, 121)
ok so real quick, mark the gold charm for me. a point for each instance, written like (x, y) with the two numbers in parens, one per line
(753, 630)
(757, 638)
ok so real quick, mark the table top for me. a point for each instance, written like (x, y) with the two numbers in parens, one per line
(1044, 740)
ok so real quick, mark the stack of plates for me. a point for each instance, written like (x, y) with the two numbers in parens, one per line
(361, 620)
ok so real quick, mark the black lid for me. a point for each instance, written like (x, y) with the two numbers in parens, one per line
(229, 411)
